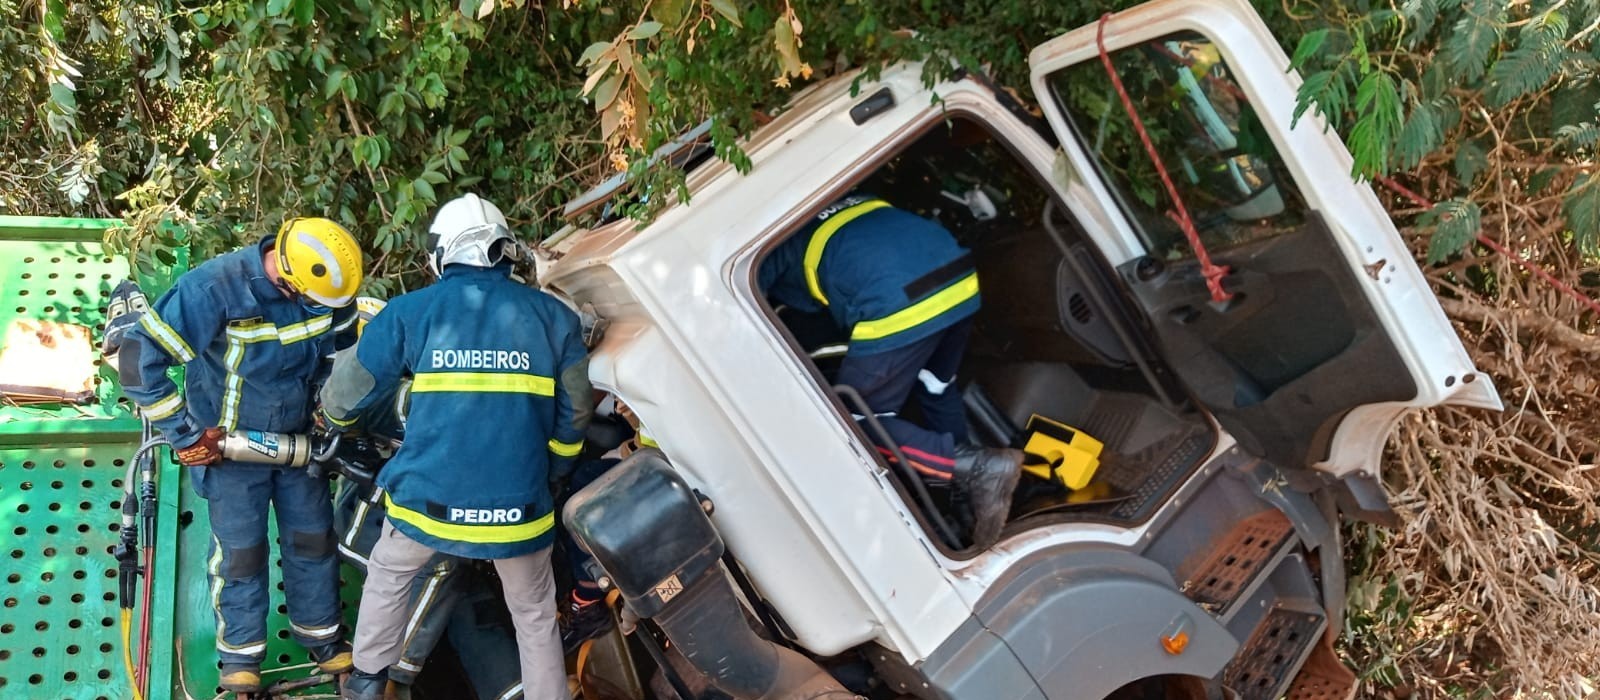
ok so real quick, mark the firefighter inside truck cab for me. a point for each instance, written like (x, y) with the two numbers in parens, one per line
(253, 328)
(904, 292)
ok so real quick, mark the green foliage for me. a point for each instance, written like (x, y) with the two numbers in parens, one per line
(1477, 33)
(1579, 135)
(1582, 209)
(1470, 162)
(1422, 134)
(1533, 63)
(223, 117)
(226, 116)
(1494, 91)
(1456, 223)
(1379, 123)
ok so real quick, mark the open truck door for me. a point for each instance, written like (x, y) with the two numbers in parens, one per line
(1330, 330)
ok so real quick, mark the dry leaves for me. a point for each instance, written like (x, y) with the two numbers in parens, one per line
(1498, 553)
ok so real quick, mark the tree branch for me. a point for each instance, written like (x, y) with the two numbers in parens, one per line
(1528, 323)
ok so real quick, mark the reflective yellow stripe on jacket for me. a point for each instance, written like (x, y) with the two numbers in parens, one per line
(241, 334)
(489, 382)
(476, 534)
(819, 241)
(920, 312)
(169, 339)
(565, 449)
(165, 408)
(233, 385)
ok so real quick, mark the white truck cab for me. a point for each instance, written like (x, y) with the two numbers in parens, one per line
(1204, 558)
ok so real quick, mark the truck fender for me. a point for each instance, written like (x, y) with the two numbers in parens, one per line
(1084, 621)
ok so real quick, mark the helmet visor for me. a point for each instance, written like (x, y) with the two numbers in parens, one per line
(300, 297)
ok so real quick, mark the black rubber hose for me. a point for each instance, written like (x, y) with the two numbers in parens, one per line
(914, 480)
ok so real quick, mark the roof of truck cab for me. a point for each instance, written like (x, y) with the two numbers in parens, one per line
(826, 96)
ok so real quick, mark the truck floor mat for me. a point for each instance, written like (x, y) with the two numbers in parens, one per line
(1260, 671)
(1124, 489)
(1056, 501)
(1011, 392)
(1151, 474)
(1120, 420)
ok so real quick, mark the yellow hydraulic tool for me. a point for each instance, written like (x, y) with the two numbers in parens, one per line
(1060, 453)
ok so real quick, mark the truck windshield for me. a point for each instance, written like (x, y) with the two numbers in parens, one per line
(1208, 136)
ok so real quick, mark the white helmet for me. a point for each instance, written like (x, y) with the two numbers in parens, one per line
(465, 231)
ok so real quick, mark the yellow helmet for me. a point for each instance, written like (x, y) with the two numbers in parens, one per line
(366, 308)
(319, 260)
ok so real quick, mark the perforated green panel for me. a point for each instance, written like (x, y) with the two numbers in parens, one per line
(56, 269)
(67, 282)
(61, 471)
(58, 624)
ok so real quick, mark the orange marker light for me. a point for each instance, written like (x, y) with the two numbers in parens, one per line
(1176, 643)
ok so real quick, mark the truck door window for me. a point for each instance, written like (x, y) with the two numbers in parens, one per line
(1038, 351)
(1208, 136)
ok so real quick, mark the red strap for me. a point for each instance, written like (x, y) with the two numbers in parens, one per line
(1214, 273)
(142, 671)
(1495, 245)
(1211, 271)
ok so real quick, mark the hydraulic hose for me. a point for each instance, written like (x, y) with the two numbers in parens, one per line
(127, 555)
(134, 559)
(128, 561)
(147, 504)
(127, 652)
(144, 448)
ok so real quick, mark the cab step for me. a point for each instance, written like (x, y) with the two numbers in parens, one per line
(1261, 670)
(1237, 560)
(1324, 677)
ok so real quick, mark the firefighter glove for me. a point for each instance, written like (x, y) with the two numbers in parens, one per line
(326, 425)
(206, 450)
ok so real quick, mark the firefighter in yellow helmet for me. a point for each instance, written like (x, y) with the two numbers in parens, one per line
(254, 328)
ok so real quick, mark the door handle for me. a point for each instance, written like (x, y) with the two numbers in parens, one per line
(1184, 315)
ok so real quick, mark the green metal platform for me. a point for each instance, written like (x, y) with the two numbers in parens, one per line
(57, 270)
(61, 471)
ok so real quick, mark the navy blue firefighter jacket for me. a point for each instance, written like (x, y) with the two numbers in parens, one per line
(499, 400)
(252, 355)
(885, 275)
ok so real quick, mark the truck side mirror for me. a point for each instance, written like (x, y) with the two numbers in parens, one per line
(649, 532)
(646, 529)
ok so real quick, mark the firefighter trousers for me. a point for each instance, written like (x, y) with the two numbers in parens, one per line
(385, 619)
(926, 369)
(237, 499)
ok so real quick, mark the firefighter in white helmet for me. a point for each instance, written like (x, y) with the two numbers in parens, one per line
(478, 344)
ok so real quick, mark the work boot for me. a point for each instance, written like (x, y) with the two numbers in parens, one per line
(365, 686)
(241, 678)
(583, 621)
(333, 657)
(985, 478)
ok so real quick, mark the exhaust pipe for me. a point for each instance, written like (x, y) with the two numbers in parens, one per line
(647, 532)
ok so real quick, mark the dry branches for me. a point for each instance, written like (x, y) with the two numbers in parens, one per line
(1496, 565)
